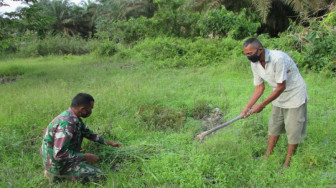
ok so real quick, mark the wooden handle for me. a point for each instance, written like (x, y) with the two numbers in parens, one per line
(203, 134)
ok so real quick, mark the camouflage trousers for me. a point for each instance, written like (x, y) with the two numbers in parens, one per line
(81, 172)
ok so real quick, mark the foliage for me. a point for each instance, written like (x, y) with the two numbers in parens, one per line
(173, 20)
(32, 19)
(60, 45)
(16, 24)
(126, 9)
(316, 43)
(320, 50)
(107, 48)
(130, 30)
(167, 21)
(330, 20)
(223, 23)
(304, 7)
(177, 52)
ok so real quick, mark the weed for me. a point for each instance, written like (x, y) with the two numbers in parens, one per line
(161, 118)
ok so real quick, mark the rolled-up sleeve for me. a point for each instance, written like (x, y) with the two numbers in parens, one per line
(257, 80)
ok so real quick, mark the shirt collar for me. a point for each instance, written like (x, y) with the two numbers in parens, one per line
(73, 115)
(267, 55)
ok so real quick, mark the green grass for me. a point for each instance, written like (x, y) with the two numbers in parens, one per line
(164, 157)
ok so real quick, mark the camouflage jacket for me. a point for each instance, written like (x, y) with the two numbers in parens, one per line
(62, 142)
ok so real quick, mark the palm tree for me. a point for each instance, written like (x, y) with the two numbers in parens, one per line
(274, 14)
(125, 9)
(61, 11)
(84, 18)
(206, 5)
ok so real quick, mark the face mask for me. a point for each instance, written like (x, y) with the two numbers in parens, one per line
(87, 113)
(255, 57)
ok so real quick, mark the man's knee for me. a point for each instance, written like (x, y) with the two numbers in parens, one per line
(85, 172)
(82, 172)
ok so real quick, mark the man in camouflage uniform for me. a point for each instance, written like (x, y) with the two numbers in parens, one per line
(62, 140)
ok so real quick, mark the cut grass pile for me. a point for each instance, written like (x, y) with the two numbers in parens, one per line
(160, 157)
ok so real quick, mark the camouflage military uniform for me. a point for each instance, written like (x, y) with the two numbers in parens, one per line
(61, 147)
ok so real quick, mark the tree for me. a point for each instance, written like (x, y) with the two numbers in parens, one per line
(274, 14)
(126, 9)
(85, 17)
(61, 11)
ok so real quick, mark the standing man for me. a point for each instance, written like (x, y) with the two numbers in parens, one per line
(62, 140)
(289, 96)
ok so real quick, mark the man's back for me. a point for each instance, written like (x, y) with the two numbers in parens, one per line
(62, 142)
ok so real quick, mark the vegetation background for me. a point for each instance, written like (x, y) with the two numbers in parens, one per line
(173, 55)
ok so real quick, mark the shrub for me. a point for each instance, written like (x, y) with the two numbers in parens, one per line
(320, 53)
(169, 21)
(130, 30)
(162, 51)
(312, 47)
(59, 45)
(178, 52)
(330, 20)
(224, 23)
(7, 46)
(107, 48)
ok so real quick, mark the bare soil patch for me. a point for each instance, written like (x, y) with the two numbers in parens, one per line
(9, 79)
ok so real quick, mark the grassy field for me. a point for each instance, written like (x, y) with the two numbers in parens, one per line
(154, 156)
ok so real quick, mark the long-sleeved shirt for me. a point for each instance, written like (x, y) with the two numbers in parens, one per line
(62, 142)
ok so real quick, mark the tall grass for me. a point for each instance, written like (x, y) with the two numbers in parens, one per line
(55, 45)
(160, 158)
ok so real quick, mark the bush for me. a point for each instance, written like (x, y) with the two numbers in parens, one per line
(168, 52)
(170, 20)
(180, 23)
(320, 51)
(58, 45)
(223, 23)
(107, 48)
(312, 47)
(162, 51)
(7, 46)
(131, 30)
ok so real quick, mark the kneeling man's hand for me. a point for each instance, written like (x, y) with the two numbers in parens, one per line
(113, 144)
(91, 158)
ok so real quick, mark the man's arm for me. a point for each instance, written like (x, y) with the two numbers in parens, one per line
(275, 94)
(87, 133)
(259, 90)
